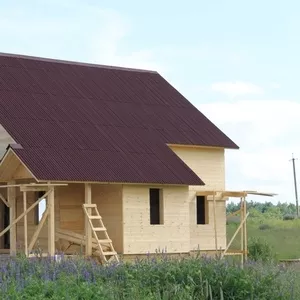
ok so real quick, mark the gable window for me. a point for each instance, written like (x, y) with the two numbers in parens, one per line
(156, 206)
(202, 210)
(40, 208)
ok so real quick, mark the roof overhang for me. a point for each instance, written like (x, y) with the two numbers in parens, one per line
(235, 194)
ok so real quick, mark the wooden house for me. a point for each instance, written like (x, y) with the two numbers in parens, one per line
(121, 140)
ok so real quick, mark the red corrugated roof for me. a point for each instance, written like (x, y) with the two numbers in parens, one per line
(85, 122)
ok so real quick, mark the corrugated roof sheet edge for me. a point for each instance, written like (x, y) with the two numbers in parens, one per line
(62, 61)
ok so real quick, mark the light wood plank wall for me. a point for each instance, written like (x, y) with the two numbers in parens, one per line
(140, 237)
(5, 139)
(109, 202)
(1, 217)
(209, 165)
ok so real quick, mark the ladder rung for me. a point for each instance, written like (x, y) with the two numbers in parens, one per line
(99, 228)
(95, 217)
(89, 205)
(102, 243)
(105, 241)
(109, 253)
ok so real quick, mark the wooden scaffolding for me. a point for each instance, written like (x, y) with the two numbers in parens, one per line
(96, 245)
(49, 215)
(242, 228)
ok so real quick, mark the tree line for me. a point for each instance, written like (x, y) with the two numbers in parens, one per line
(268, 209)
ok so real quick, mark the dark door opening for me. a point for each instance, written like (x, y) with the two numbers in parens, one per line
(6, 223)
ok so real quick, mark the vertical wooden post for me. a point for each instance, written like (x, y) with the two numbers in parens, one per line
(51, 222)
(25, 224)
(245, 230)
(11, 197)
(215, 222)
(242, 230)
(88, 230)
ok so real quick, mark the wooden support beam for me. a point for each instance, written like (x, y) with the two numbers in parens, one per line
(25, 224)
(38, 230)
(236, 194)
(4, 200)
(32, 185)
(51, 222)
(23, 214)
(215, 222)
(88, 230)
(242, 229)
(33, 189)
(235, 234)
(245, 231)
(78, 239)
(11, 197)
(205, 193)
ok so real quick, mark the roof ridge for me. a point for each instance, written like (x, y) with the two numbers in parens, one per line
(78, 63)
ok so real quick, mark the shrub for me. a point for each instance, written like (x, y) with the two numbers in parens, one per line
(264, 226)
(289, 217)
(260, 250)
(233, 220)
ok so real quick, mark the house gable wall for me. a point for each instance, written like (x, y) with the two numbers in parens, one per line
(209, 164)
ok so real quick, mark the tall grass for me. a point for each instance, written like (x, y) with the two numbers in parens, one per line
(155, 278)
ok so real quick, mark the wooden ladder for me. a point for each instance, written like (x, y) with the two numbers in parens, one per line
(102, 242)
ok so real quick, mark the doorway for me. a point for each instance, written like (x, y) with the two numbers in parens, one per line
(6, 243)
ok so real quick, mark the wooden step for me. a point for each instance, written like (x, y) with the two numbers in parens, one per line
(90, 205)
(105, 241)
(95, 217)
(99, 228)
(109, 253)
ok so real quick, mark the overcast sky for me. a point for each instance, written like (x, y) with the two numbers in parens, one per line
(237, 61)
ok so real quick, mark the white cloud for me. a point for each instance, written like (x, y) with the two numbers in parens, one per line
(236, 88)
(267, 133)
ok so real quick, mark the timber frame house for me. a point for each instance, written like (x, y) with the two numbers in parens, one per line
(122, 161)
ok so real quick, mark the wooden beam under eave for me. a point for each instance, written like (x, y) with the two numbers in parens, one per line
(233, 194)
(11, 198)
(88, 231)
(205, 193)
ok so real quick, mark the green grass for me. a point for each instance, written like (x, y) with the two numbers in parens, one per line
(154, 278)
(282, 236)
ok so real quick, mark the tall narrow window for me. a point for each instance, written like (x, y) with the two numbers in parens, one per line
(40, 208)
(202, 210)
(156, 206)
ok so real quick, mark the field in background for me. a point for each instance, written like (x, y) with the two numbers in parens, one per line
(276, 225)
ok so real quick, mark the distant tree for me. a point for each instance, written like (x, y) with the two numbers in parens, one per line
(232, 207)
(265, 209)
(273, 212)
